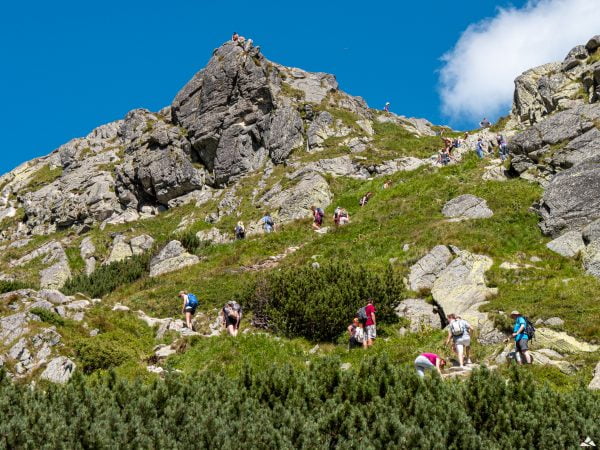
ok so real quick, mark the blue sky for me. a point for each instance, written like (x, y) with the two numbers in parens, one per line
(68, 67)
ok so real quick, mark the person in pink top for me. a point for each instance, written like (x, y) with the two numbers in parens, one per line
(371, 323)
(427, 361)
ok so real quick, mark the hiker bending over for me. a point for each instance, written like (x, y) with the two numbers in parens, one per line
(356, 332)
(268, 224)
(190, 303)
(366, 315)
(343, 217)
(429, 361)
(521, 338)
(484, 123)
(232, 315)
(318, 216)
(459, 332)
(240, 230)
(365, 199)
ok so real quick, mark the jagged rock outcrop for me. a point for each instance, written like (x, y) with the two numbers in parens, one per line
(425, 271)
(124, 248)
(214, 236)
(551, 87)
(308, 188)
(595, 383)
(569, 244)
(420, 313)
(172, 257)
(58, 272)
(59, 370)
(466, 207)
(562, 342)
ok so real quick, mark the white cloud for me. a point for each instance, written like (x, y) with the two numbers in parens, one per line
(478, 73)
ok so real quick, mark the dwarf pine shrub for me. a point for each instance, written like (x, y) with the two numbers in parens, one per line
(377, 405)
(106, 279)
(318, 304)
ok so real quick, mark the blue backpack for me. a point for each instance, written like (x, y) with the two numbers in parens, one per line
(192, 301)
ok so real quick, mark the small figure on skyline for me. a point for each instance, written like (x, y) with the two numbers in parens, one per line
(485, 123)
(386, 108)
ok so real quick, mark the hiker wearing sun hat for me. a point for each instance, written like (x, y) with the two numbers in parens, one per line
(521, 337)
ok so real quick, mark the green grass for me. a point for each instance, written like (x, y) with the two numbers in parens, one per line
(397, 141)
(41, 178)
(594, 57)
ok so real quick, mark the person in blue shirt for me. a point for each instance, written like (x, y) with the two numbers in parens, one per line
(268, 223)
(479, 148)
(521, 339)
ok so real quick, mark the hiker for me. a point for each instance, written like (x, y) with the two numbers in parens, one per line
(268, 224)
(387, 184)
(386, 108)
(356, 332)
(336, 216)
(521, 338)
(232, 315)
(240, 230)
(503, 145)
(484, 123)
(459, 332)
(318, 216)
(466, 136)
(427, 361)
(235, 36)
(190, 303)
(365, 199)
(443, 157)
(479, 148)
(370, 322)
(343, 217)
(456, 143)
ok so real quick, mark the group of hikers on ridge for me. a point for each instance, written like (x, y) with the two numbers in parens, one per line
(362, 332)
(459, 333)
(230, 315)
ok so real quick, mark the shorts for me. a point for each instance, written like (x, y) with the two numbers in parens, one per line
(422, 364)
(190, 309)
(230, 321)
(522, 345)
(462, 342)
(319, 220)
(354, 343)
(371, 332)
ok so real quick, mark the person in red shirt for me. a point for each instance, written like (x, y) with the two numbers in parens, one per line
(371, 323)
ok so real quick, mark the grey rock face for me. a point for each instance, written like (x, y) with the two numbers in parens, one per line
(568, 245)
(591, 232)
(59, 370)
(425, 271)
(595, 383)
(591, 258)
(14, 326)
(213, 236)
(420, 313)
(309, 188)
(570, 201)
(171, 258)
(467, 207)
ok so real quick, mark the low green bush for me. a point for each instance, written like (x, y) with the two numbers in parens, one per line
(48, 316)
(101, 352)
(376, 404)
(106, 279)
(318, 304)
(9, 286)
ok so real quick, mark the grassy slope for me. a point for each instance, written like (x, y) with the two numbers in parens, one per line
(409, 212)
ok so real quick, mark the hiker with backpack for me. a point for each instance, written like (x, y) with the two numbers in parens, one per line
(459, 331)
(190, 303)
(480, 148)
(429, 361)
(268, 224)
(343, 217)
(232, 316)
(523, 330)
(503, 147)
(240, 230)
(318, 216)
(356, 332)
(366, 315)
(365, 199)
